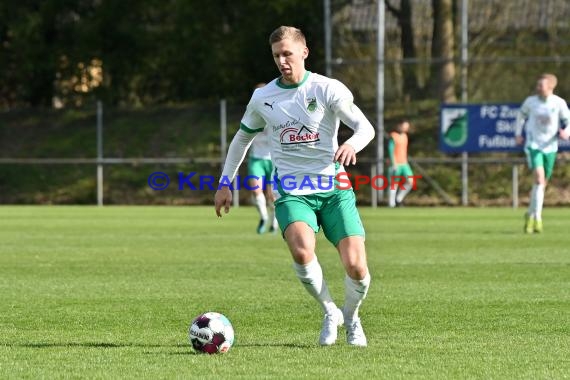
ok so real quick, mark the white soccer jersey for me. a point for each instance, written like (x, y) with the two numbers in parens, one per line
(260, 146)
(543, 117)
(302, 127)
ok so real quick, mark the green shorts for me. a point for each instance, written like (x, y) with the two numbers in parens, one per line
(402, 170)
(334, 211)
(260, 168)
(537, 159)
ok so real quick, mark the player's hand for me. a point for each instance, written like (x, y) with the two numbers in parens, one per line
(519, 140)
(345, 155)
(223, 198)
(564, 134)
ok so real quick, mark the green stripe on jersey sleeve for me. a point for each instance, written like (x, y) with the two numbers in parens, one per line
(244, 128)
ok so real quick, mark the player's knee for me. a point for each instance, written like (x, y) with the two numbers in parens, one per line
(302, 255)
(539, 175)
(357, 271)
(301, 243)
(354, 260)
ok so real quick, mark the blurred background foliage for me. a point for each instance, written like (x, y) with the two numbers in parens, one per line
(161, 67)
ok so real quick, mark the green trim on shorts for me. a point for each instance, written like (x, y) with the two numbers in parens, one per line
(278, 184)
(402, 170)
(539, 159)
(334, 211)
(260, 168)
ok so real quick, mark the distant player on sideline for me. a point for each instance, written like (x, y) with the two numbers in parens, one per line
(543, 114)
(259, 165)
(302, 111)
(400, 170)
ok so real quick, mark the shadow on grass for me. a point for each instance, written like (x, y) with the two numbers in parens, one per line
(503, 232)
(252, 345)
(289, 345)
(90, 345)
(187, 348)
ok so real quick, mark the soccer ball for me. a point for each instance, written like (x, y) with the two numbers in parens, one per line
(211, 333)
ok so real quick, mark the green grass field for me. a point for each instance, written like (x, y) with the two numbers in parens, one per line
(109, 292)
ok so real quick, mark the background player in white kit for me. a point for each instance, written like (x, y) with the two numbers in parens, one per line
(260, 167)
(543, 114)
(302, 111)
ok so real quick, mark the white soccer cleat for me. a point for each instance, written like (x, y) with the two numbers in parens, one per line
(355, 334)
(329, 331)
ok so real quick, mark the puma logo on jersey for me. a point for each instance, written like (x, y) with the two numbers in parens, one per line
(269, 105)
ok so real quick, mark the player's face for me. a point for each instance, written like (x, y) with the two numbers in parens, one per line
(289, 56)
(543, 87)
(404, 127)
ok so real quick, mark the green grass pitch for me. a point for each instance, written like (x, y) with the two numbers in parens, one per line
(109, 292)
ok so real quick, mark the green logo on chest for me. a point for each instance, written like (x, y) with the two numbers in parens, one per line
(311, 104)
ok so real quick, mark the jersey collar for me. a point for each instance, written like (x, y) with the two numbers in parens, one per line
(293, 85)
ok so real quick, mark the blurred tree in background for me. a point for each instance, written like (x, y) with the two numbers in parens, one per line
(162, 67)
(67, 52)
(62, 52)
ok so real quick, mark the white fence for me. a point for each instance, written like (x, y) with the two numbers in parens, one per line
(376, 196)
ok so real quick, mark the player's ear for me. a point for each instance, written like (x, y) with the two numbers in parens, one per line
(305, 52)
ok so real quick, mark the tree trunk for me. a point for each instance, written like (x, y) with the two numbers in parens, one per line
(404, 16)
(407, 40)
(443, 71)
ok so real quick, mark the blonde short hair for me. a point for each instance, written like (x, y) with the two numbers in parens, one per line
(284, 32)
(551, 78)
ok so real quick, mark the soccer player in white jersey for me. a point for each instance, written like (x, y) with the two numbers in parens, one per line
(543, 113)
(259, 169)
(302, 111)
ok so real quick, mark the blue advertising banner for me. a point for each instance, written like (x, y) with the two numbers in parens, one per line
(481, 128)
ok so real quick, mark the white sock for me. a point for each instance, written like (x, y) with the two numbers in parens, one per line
(392, 197)
(311, 276)
(402, 193)
(532, 203)
(260, 205)
(539, 201)
(271, 214)
(355, 292)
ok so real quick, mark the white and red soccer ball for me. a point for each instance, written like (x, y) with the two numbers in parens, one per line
(211, 333)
